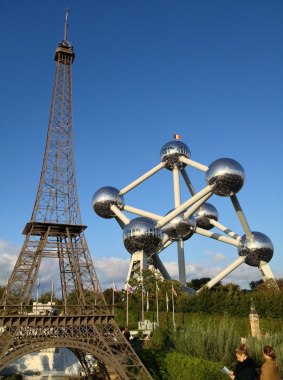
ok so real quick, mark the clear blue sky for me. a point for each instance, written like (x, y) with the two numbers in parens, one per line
(211, 71)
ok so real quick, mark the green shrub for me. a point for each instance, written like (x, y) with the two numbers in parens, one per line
(175, 366)
(153, 359)
(178, 366)
(161, 339)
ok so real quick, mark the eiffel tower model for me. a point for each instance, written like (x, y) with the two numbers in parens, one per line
(83, 322)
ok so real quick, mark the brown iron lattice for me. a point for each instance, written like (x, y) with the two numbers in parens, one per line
(55, 231)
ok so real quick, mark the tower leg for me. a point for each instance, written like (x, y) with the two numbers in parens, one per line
(157, 263)
(223, 274)
(180, 243)
(137, 265)
(181, 262)
(267, 275)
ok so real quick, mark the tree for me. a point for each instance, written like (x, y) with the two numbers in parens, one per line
(197, 283)
(254, 284)
(118, 297)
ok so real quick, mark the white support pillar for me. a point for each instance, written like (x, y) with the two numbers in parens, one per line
(241, 216)
(165, 244)
(197, 205)
(142, 178)
(180, 243)
(140, 212)
(137, 265)
(157, 263)
(188, 182)
(181, 262)
(194, 164)
(182, 207)
(223, 274)
(218, 237)
(176, 184)
(225, 229)
(119, 214)
(267, 274)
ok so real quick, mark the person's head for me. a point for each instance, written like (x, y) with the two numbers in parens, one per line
(268, 352)
(241, 353)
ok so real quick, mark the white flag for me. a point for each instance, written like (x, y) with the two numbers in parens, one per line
(167, 302)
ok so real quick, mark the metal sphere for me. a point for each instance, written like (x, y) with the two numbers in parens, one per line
(170, 153)
(226, 175)
(142, 235)
(180, 228)
(104, 198)
(203, 214)
(259, 248)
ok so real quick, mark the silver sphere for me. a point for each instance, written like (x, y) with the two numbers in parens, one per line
(259, 248)
(171, 152)
(180, 228)
(203, 214)
(104, 198)
(226, 175)
(142, 235)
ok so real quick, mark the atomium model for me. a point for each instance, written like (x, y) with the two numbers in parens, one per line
(147, 235)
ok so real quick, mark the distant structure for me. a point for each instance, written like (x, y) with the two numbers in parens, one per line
(254, 321)
(146, 236)
(39, 308)
(84, 322)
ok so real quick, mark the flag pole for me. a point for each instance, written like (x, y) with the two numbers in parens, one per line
(113, 299)
(167, 307)
(127, 305)
(142, 297)
(173, 311)
(157, 311)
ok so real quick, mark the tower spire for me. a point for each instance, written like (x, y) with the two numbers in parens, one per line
(66, 25)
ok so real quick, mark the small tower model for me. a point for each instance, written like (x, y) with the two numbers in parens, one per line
(83, 322)
(254, 321)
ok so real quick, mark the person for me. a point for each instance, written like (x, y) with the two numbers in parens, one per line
(245, 367)
(269, 370)
(127, 333)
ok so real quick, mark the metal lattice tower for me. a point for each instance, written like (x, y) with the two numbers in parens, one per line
(55, 231)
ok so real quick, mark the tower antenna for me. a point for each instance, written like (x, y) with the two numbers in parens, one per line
(66, 25)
